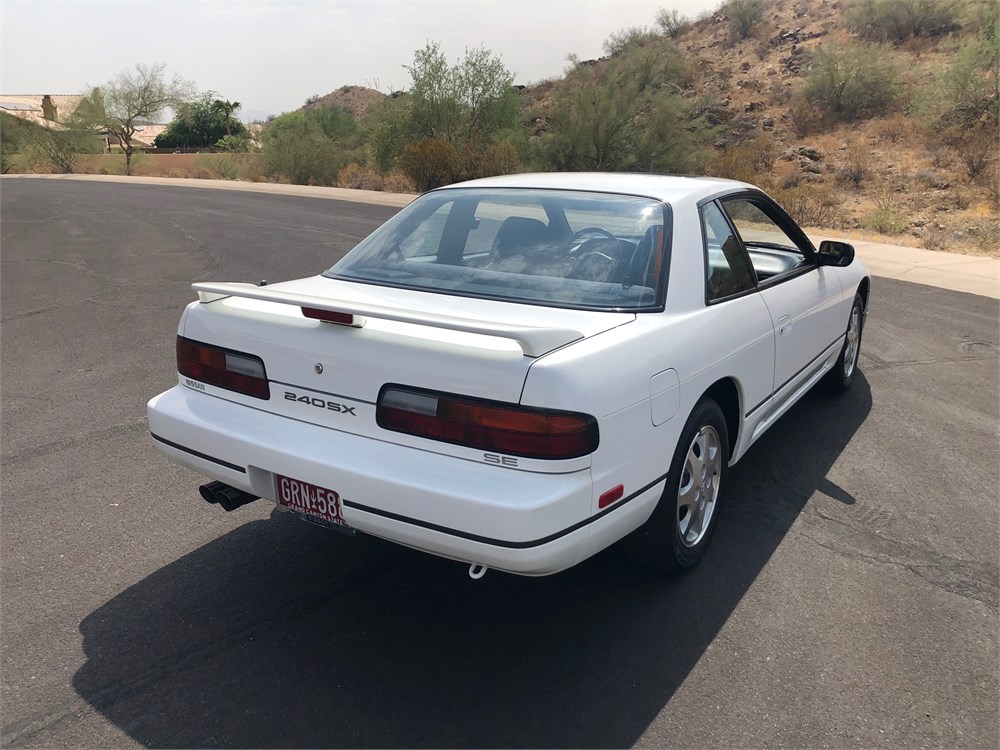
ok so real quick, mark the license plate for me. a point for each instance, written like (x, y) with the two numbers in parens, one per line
(311, 501)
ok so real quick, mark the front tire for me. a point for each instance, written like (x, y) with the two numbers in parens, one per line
(839, 379)
(675, 537)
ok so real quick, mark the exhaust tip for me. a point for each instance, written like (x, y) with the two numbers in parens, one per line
(229, 498)
(209, 492)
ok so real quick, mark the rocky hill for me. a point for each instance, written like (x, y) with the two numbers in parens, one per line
(887, 173)
(358, 100)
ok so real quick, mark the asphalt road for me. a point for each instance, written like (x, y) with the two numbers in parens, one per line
(850, 597)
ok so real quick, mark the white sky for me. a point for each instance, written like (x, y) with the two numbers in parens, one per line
(270, 55)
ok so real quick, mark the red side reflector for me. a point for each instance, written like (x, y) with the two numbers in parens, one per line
(344, 319)
(611, 496)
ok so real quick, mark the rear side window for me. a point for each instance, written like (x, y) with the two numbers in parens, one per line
(550, 247)
(728, 270)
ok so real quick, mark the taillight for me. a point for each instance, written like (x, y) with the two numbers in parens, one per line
(490, 426)
(234, 371)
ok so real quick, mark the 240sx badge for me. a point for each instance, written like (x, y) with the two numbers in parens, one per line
(321, 403)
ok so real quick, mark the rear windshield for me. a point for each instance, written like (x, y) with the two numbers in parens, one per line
(549, 247)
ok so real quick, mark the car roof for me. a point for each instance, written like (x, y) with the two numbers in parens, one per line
(667, 188)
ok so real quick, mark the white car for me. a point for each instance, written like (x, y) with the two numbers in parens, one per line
(518, 372)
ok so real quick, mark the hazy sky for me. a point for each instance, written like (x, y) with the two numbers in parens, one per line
(271, 55)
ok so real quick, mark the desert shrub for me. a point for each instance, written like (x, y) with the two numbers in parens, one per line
(745, 15)
(884, 193)
(220, 167)
(296, 149)
(856, 160)
(356, 177)
(397, 182)
(430, 163)
(885, 221)
(746, 161)
(671, 22)
(389, 128)
(627, 118)
(986, 237)
(961, 106)
(899, 20)
(930, 178)
(895, 129)
(852, 83)
(499, 157)
(47, 148)
(806, 118)
(810, 205)
(935, 239)
(992, 179)
(635, 36)
(976, 146)
(237, 144)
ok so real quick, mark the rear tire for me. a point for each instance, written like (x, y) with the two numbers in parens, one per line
(675, 537)
(839, 379)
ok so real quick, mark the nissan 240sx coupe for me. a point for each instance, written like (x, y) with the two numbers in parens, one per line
(519, 371)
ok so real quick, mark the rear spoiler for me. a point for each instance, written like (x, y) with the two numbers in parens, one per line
(534, 342)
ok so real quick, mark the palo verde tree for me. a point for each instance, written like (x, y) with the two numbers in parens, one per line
(55, 145)
(627, 116)
(466, 105)
(451, 102)
(131, 99)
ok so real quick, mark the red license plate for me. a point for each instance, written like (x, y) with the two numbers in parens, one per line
(310, 500)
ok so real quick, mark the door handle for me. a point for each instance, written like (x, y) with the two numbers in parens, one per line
(784, 325)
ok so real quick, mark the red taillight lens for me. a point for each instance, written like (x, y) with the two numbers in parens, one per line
(233, 371)
(509, 429)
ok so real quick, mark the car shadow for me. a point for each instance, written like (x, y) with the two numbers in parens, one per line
(280, 634)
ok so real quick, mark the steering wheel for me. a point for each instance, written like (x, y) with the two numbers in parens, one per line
(577, 236)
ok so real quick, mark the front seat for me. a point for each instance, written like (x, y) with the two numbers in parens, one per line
(518, 235)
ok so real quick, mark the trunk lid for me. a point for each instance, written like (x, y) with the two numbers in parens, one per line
(332, 374)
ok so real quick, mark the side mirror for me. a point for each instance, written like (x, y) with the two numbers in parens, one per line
(833, 253)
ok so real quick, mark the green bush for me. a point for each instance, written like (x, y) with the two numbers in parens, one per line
(671, 22)
(885, 221)
(220, 167)
(625, 39)
(296, 150)
(627, 117)
(237, 144)
(201, 123)
(899, 20)
(430, 163)
(961, 106)
(852, 83)
(745, 15)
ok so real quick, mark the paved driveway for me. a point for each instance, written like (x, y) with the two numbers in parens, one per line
(850, 598)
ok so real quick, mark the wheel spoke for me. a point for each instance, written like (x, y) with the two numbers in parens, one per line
(694, 526)
(699, 484)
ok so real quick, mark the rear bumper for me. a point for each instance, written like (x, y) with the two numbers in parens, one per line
(522, 522)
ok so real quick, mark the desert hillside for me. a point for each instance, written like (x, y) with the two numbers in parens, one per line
(889, 174)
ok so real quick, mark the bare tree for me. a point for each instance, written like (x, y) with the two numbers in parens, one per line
(131, 99)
